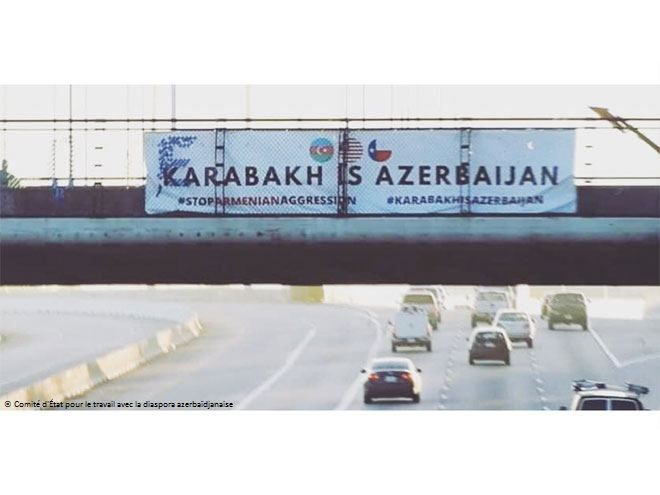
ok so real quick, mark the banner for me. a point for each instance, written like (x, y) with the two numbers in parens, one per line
(275, 172)
(403, 171)
(388, 172)
(522, 171)
(462, 171)
(179, 164)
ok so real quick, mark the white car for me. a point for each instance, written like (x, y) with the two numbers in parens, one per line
(599, 396)
(487, 303)
(426, 300)
(411, 328)
(519, 325)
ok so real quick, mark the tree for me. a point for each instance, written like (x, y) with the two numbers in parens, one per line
(6, 178)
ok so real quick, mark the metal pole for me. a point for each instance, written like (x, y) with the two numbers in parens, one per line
(247, 104)
(70, 136)
(173, 106)
(128, 134)
(4, 129)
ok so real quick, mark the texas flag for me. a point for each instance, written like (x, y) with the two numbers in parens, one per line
(378, 155)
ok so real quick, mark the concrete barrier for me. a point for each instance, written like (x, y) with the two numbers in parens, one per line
(79, 379)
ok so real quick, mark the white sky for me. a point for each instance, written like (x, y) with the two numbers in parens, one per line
(355, 101)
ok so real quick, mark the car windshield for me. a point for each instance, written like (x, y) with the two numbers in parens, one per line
(390, 365)
(567, 298)
(513, 317)
(491, 296)
(418, 299)
(488, 337)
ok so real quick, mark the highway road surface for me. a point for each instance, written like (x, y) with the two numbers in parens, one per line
(277, 355)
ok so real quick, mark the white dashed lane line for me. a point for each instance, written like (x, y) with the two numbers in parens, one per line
(449, 370)
(536, 370)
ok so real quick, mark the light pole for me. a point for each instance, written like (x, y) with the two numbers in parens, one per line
(622, 125)
(70, 136)
(173, 106)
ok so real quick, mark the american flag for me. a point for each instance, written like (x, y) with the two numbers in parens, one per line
(353, 150)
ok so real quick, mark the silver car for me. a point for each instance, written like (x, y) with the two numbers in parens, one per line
(486, 305)
(519, 325)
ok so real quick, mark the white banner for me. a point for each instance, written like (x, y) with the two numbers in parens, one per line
(281, 172)
(407, 171)
(177, 163)
(522, 171)
(422, 171)
(404, 171)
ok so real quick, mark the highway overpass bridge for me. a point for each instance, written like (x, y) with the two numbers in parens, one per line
(102, 235)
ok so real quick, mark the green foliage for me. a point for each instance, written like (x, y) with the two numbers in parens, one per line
(7, 179)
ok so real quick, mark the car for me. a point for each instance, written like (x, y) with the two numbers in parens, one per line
(568, 307)
(599, 396)
(437, 290)
(460, 297)
(545, 305)
(425, 300)
(489, 343)
(519, 325)
(442, 294)
(392, 378)
(487, 303)
(411, 328)
(510, 290)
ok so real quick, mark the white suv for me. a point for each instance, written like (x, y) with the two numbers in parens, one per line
(599, 396)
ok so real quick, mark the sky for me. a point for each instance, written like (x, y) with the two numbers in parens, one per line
(37, 150)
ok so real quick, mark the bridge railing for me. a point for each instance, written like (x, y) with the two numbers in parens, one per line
(74, 166)
(83, 152)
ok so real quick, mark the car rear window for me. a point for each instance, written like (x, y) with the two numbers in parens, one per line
(594, 405)
(624, 405)
(418, 299)
(390, 365)
(488, 336)
(491, 296)
(567, 298)
(513, 317)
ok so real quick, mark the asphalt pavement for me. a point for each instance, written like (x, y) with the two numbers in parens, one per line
(281, 356)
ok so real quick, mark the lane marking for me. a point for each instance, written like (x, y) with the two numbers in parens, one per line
(539, 381)
(449, 371)
(602, 345)
(540, 390)
(641, 359)
(288, 363)
(349, 396)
